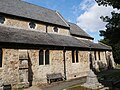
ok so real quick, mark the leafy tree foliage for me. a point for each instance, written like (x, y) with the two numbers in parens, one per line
(112, 33)
(113, 3)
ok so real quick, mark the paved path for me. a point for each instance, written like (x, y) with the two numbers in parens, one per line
(33, 88)
(59, 85)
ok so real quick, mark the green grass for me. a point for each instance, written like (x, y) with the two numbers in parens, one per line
(73, 86)
(117, 66)
(115, 74)
(109, 76)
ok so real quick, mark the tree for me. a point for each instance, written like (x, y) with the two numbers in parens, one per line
(113, 3)
(112, 33)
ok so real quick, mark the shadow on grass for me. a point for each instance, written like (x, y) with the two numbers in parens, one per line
(110, 78)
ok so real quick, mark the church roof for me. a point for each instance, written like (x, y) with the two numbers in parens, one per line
(99, 45)
(26, 10)
(77, 31)
(14, 35)
(22, 36)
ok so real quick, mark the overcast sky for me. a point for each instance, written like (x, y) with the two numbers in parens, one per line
(85, 13)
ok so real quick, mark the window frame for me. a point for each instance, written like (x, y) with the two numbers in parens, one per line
(75, 58)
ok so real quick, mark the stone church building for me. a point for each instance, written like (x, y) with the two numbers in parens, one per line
(35, 41)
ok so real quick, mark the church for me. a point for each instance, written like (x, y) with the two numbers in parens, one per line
(36, 42)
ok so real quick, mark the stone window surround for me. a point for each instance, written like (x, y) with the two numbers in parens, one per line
(32, 25)
(9, 22)
(55, 28)
(45, 57)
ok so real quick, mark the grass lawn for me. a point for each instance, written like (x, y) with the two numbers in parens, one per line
(117, 66)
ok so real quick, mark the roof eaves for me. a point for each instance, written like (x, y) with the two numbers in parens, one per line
(83, 36)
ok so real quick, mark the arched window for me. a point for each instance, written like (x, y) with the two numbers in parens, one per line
(2, 20)
(73, 57)
(76, 55)
(46, 57)
(95, 55)
(41, 57)
(32, 25)
(0, 57)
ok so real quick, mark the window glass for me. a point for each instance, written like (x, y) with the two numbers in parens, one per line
(55, 29)
(41, 57)
(73, 57)
(46, 57)
(99, 55)
(95, 55)
(2, 20)
(76, 55)
(32, 25)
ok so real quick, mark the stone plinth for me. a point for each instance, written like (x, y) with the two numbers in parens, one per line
(92, 81)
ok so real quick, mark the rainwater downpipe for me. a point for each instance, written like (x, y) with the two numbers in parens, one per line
(65, 76)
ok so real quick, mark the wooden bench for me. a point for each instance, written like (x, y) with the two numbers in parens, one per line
(54, 77)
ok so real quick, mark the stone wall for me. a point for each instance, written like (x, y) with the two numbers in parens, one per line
(77, 69)
(61, 31)
(24, 24)
(1, 75)
(40, 71)
(106, 57)
(10, 72)
(10, 67)
(57, 65)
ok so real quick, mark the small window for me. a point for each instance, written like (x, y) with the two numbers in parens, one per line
(0, 57)
(99, 55)
(73, 57)
(95, 55)
(77, 56)
(32, 25)
(55, 29)
(2, 20)
(41, 57)
(46, 57)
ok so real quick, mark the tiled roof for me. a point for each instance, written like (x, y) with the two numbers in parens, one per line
(21, 36)
(76, 30)
(23, 9)
(99, 46)
(14, 35)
